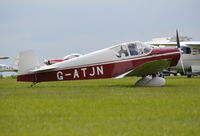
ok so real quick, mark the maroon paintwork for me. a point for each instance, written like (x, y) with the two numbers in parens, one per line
(101, 70)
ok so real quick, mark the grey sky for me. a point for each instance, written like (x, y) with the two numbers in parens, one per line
(55, 28)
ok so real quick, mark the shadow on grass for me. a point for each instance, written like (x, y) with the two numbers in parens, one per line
(133, 86)
(79, 86)
(99, 86)
(89, 84)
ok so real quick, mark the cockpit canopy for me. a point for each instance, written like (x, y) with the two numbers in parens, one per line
(138, 48)
(131, 49)
(71, 56)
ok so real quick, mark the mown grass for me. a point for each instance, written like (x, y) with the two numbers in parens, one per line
(100, 108)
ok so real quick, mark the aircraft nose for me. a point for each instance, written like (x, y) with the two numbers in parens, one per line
(172, 54)
(165, 50)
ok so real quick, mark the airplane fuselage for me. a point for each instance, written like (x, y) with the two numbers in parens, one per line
(107, 63)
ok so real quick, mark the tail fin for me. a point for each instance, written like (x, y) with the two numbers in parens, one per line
(27, 61)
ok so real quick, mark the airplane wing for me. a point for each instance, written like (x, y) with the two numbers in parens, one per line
(162, 43)
(193, 43)
(174, 44)
(150, 67)
(146, 68)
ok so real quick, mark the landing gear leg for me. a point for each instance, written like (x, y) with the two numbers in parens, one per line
(33, 84)
(143, 81)
(189, 76)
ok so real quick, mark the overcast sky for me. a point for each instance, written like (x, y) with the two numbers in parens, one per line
(55, 28)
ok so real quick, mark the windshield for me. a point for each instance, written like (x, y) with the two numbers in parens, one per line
(131, 49)
(71, 56)
(138, 48)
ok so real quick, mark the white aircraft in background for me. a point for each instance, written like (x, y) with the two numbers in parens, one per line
(189, 63)
(9, 68)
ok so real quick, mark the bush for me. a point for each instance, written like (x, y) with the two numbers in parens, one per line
(13, 76)
(1, 76)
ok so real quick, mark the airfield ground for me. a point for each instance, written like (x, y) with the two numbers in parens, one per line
(100, 108)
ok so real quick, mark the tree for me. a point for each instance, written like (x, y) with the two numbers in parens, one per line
(1, 76)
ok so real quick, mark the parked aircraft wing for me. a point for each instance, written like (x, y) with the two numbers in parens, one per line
(162, 43)
(193, 43)
(174, 43)
(150, 67)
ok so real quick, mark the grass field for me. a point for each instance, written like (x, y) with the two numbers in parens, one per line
(100, 108)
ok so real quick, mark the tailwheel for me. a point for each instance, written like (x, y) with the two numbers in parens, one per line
(154, 80)
(189, 76)
(33, 84)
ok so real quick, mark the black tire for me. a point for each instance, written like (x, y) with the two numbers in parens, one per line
(189, 75)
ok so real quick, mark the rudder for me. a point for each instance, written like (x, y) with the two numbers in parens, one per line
(28, 61)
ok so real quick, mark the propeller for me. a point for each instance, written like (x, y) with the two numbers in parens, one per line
(179, 46)
(177, 40)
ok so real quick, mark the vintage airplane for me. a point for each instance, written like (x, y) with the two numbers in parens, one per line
(131, 58)
(189, 63)
(68, 57)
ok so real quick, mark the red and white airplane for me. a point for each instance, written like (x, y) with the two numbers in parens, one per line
(131, 58)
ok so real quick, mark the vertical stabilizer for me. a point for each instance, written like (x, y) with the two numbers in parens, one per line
(28, 60)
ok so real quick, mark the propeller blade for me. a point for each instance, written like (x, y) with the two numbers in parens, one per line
(179, 46)
(177, 39)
